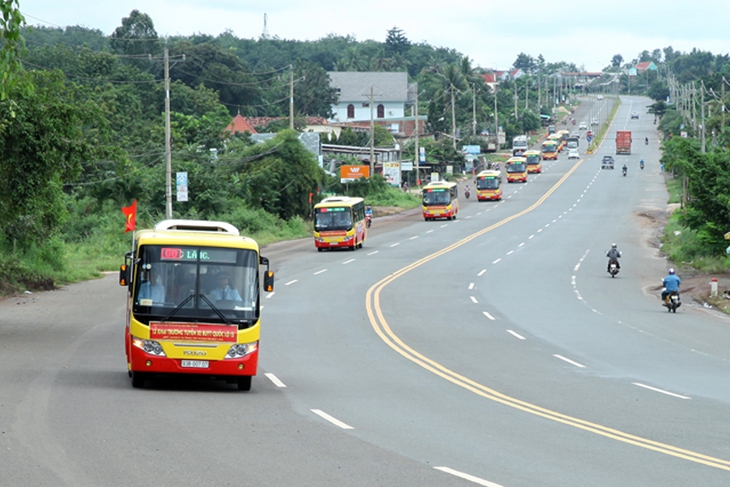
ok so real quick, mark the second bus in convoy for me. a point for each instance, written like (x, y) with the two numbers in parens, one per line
(489, 185)
(516, 169)
(339, 222)
(440, 200)
(534, 161)
(193, 302)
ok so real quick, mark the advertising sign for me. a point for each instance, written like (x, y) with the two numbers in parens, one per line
(391, 173)
(352, 172)
(182, 186)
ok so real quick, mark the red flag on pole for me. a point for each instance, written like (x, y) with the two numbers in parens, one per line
(131, 213)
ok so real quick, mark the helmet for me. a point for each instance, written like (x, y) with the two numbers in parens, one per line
(671, 271)
(613, 246)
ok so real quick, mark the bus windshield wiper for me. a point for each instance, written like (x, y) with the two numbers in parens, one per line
(205, 298)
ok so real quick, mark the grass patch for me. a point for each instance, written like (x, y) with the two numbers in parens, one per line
(687, 251)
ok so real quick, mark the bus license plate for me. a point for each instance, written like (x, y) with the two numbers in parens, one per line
(195, 364)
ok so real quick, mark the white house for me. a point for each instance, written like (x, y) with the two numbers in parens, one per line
(390, 94)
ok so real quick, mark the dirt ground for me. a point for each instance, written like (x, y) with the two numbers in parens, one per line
(696, 286)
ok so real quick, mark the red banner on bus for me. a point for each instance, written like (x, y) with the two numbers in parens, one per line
(193, 332)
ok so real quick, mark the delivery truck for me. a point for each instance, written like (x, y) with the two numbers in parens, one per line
(623, 142)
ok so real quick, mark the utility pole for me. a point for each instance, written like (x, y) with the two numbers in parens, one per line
(702, 111)
(291, 97)
(372, 133)
(168, 150)
(453, 117)
(473, 110)
(417, 149)
(496, 115)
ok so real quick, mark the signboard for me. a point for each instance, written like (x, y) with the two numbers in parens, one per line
(391, 173)
(353, 172)
(471, 149)
(422, 154)
(182, 186)
(406, 166)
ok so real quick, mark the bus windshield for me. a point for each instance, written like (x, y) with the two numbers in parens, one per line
(487, 183)
(190, 283)
(436, 197)
(516, 167)
(339, 218)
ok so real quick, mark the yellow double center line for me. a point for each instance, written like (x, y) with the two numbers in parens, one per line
(381, 327)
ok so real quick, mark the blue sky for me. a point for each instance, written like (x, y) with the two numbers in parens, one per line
(492, 33)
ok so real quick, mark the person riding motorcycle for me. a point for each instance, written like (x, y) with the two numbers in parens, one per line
(613, 256)
(641, 163)
(646, 140)
(625, 169)
(671, 284)
(467, 192)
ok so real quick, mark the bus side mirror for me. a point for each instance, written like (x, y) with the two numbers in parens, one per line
(269, 281)
(123, 275)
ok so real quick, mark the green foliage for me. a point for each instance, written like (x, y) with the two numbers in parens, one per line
(43, 145)
(12, 46)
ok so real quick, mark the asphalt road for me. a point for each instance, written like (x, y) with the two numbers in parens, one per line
(491, 350)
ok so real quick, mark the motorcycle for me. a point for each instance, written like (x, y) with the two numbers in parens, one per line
(466, 193)
(641, 164)
(368, 220)
(646, 141)
(672, 302)
(613, 269)
(624, 170)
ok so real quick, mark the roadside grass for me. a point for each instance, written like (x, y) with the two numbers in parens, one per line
(683, 247)
(674, 187)
(604, 128)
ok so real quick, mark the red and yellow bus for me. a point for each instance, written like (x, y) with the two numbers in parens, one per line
(489, 185)
(193, 302)
(339, 222)
(549, 150)
(516, 169)
(440, 200)
(534, 163)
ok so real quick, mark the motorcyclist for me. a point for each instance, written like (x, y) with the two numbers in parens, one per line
(467, 191)
(369, 211)
(625, 169)
(613, 256)
(671, 284)
(646, 140)
(641, 163)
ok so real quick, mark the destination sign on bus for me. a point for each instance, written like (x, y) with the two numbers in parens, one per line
(195, 254)
(436, 190)
(330, 210)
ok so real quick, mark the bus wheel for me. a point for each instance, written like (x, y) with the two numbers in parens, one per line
(138, 380)
(244, 383)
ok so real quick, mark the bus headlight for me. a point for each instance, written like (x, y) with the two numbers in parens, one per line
(242, 349)
(150, 346)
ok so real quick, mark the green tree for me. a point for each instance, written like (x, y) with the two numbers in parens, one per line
(313, 94)
(11, 46)
(396, 42)
(43, 145)
(617, 60)
(137, 38)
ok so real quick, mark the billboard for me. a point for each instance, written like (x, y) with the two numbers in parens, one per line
(353, 172)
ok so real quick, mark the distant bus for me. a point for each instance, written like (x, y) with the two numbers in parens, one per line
(549, 150)
(516, 169)
(534, 161)
(440, 200)
(519, 145)
(339, 222)
(489, 185)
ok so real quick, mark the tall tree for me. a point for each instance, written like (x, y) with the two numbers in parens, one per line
(396, 42)
(137, 38)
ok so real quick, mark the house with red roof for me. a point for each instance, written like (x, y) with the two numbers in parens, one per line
(647, 65)
(240, 124)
